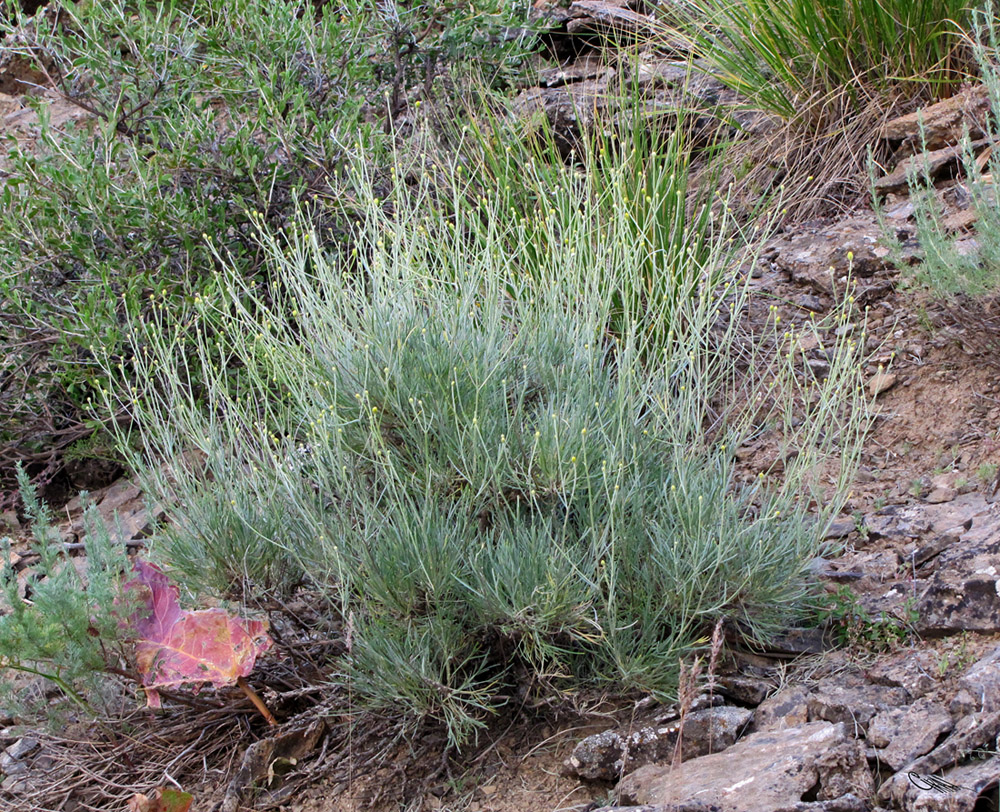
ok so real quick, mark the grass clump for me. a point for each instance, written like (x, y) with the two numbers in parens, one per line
(826, 75)
(500, 447)
(803, 60)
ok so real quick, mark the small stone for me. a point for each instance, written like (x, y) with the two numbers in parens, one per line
(881, 382)
(22, 747)
(810, 302)
(840, 529)
(940, 495)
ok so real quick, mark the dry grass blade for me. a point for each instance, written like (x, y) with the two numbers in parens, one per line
(100, 768)
(819, 164)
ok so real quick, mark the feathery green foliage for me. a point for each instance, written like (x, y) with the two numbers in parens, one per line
(64, 629)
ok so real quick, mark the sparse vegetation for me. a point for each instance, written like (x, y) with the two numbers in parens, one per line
(857, 628)
(964, 275)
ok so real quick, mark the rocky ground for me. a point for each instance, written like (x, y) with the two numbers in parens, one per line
(906, 716)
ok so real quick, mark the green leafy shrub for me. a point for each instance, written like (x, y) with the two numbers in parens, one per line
(202, 113)
(855, 627)
(505, 473)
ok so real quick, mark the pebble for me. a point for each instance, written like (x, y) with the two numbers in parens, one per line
(881, 382)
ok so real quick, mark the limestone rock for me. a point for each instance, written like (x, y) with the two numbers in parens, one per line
(766, 771)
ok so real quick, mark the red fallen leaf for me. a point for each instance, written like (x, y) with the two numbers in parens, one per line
(164, 799)
(175, 647)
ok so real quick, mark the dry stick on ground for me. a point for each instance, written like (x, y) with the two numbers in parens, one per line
(258, 703)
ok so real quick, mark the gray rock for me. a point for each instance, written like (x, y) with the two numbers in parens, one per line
(765, 772)
(982, 682)
(22, 747)
(896, 523)
(964, 591)
(850, 699)
(909, 669)
(934, 548)
(787, 708)
(841, 528)
(979, 518)
(745, 690)
(901, 735)
(606, 756)
(970, 734)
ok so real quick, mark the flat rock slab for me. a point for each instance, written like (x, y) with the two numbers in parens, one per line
(972, 734)
(821, 257)
(605, 756)
(853, 701)
(901, 735)
(766, 771)
(964, 591)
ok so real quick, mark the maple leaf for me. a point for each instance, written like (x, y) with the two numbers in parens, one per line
(174, 646)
